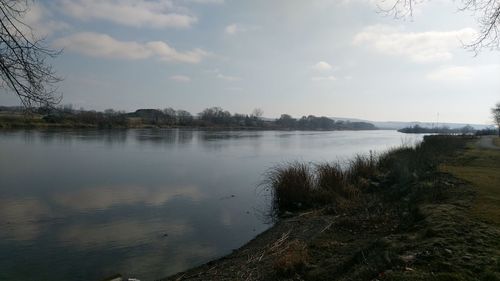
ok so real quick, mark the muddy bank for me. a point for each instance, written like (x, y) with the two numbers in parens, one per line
(432, 238)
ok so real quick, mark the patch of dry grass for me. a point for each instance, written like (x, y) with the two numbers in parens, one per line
(496, 141)
(292, 259)
(481, 167)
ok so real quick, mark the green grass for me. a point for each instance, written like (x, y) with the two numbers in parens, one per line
(480, 167)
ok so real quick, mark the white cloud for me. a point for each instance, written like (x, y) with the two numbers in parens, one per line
(38, 18)
(236, 28)
(324, 78)
(453, 73)
(137, 13)
(180, 78)
(105, 46)
(322, 66)
(420, 47)
(222, 76)
(231, 29)
(206, 1)
(227, 77)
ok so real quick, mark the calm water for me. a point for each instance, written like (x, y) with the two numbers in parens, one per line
(83, 205)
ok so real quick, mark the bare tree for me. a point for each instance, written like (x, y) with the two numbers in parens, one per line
(257, 113)
(23, 58)
(487, 13)
(495, 112)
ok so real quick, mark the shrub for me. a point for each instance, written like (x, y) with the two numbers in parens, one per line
(331, 178)
(361, 169)
(333, 182)
(292, 186)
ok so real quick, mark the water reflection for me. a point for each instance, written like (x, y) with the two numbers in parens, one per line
(20, 218)
(85, 204)
(93, 199)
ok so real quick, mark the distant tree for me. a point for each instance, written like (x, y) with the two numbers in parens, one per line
(184, 117)
(170, 115)
(468, 129)
(109, 111)
(23, 66)
(495, 112)
(286, 121)
(67, 108)
(487, 14)
(239, 119)
(257, 113)
(216, 115)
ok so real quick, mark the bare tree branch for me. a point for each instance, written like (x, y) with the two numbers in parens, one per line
(487, 13)
(23, 66)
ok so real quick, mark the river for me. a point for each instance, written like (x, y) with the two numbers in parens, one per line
(86, 204)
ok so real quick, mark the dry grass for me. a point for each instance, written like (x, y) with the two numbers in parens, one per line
(297, 186)
(333, 183)
(361, 169)
(481, 167)
(292, 259)
(292, 186)
(496, 141)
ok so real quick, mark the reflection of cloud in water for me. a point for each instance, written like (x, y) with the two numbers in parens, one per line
(20, 219)
(160, 262)
(123, 233)
(226, 218)
(106, 197)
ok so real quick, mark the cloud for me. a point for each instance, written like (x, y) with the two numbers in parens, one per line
(236, 28)
(221, 76)
(420, 47)
(105, 46)
(180, 78)
(454, 73)
(451, 73)
(38, 18)
(137, 13)
(231, 29)
(227, 77)
(206, 1)
(324, 78)
(322, 66)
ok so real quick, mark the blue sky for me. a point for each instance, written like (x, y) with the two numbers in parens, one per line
(333, 58)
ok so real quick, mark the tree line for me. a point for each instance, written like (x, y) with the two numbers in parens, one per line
(67, 116)
(465, 130)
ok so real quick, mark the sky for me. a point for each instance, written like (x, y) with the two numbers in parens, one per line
(339, 58)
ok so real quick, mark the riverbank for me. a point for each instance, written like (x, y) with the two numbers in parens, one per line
(437, 223)
(215, 117)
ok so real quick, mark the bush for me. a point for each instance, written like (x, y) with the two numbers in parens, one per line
(297, 187)
(292, 186)
(362, 169)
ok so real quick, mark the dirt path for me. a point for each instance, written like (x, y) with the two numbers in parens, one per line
(487, 142)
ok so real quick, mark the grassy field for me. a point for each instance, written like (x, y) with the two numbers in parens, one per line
(480, 167)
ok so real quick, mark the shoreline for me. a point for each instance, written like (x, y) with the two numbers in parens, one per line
(426, 234)
(202, 128)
